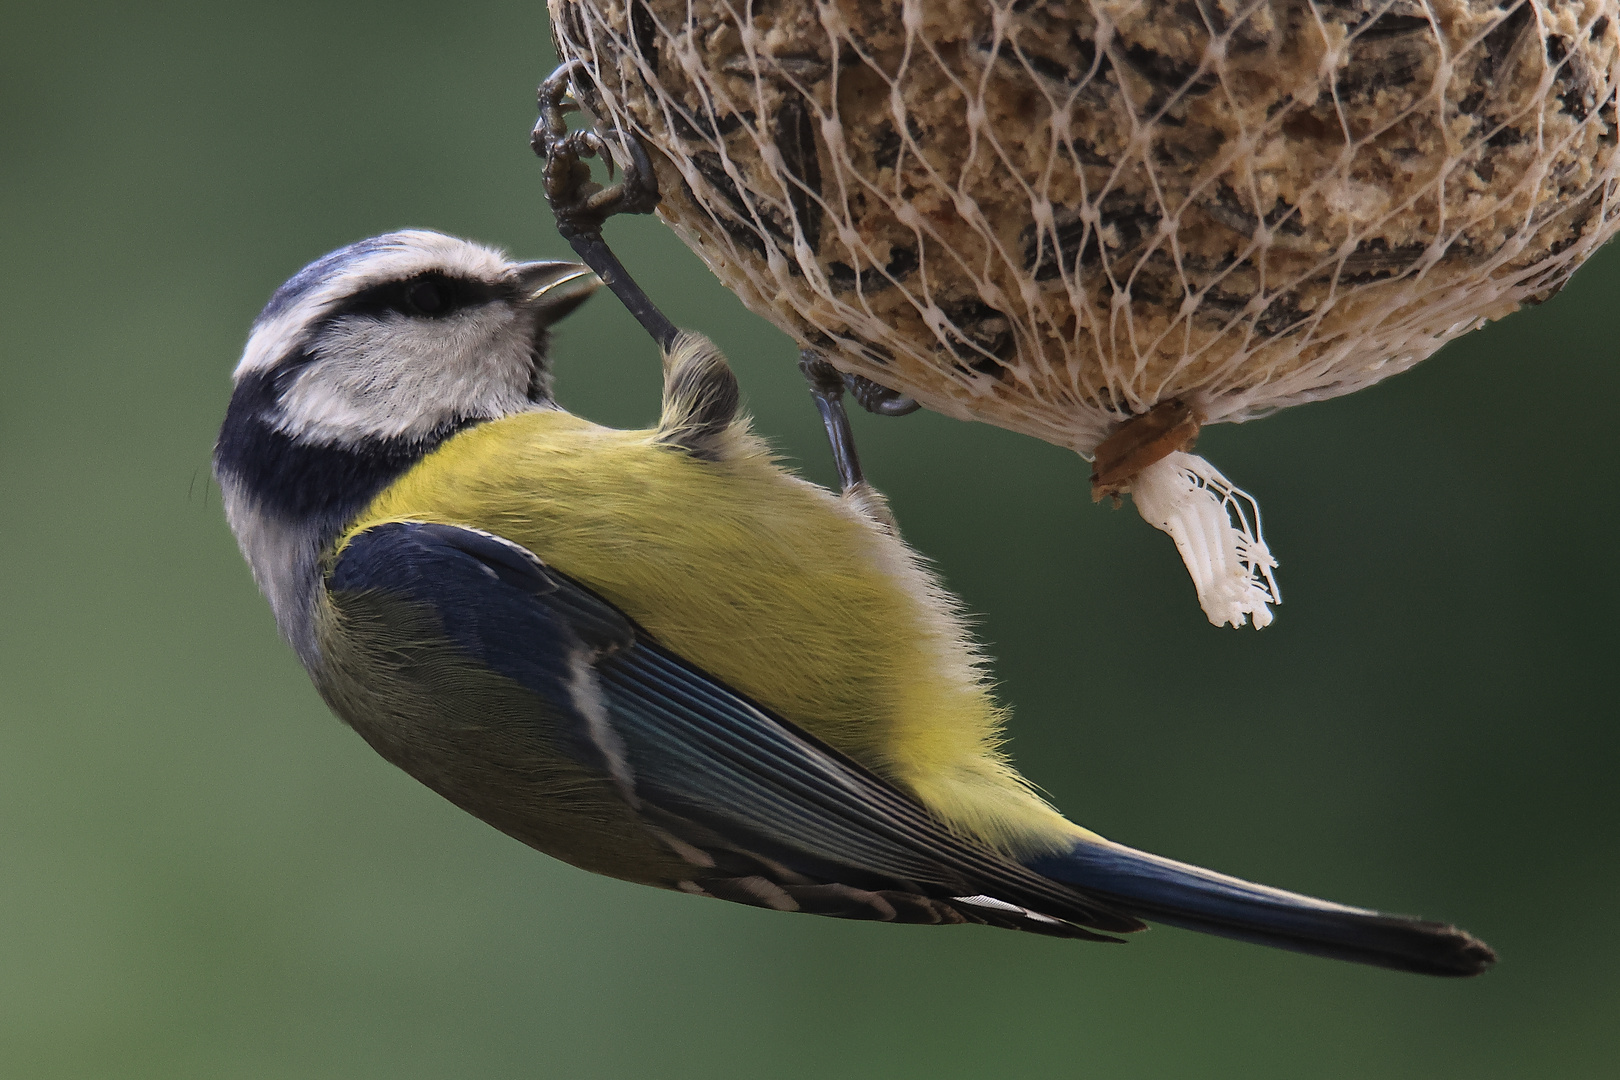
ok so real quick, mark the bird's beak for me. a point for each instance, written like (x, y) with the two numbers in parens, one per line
(555, 288)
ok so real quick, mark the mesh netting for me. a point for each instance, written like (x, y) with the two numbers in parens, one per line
(1051, 215)
(1055, 215)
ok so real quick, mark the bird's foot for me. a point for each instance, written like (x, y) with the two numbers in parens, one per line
(582, 206)
(578, 201)
(879, 399)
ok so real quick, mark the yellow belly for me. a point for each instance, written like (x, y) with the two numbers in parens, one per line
(781, 589)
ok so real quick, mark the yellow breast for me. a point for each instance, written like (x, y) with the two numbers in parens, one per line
(782, 589)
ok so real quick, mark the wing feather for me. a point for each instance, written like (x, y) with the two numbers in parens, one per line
(703, 762)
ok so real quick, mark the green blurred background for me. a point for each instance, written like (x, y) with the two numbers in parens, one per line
(203, 874)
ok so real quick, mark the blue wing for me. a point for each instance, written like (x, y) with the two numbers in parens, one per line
(764, 812)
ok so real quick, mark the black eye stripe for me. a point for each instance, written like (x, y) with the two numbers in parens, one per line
(428, 295)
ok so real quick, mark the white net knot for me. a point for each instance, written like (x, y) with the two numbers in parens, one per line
(1216, 527)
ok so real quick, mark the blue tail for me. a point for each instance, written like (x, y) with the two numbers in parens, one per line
(1166, 891)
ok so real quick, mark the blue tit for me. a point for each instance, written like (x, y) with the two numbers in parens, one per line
(659, 655)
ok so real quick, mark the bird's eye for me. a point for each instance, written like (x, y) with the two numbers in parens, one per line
(429, 297)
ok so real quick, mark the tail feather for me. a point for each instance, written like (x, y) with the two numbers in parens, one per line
(1177, 894)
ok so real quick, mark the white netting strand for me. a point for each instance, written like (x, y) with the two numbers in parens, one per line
(1053, 215)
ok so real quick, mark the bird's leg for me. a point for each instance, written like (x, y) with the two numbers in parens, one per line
(827, 388)
(582, 205)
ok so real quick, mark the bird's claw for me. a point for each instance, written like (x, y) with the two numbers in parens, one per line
(879, 399)
(580, 204)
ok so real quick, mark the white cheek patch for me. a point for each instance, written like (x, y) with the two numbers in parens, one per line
(403, 377)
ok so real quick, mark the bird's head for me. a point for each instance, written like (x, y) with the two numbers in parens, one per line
(403, 335)
(364, 362)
